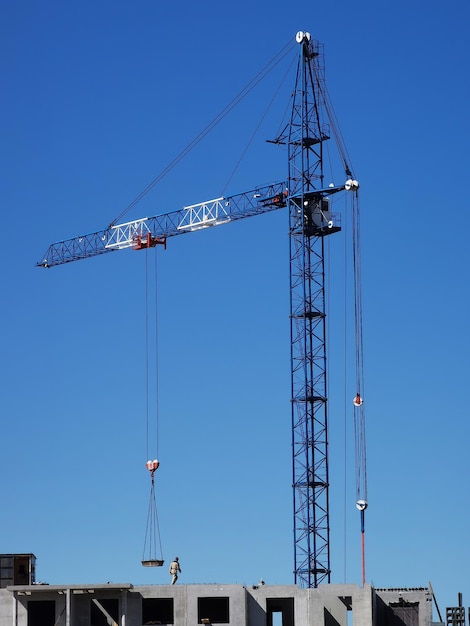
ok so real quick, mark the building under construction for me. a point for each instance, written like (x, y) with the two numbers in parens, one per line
(23, 602)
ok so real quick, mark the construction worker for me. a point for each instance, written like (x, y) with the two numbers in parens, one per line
(174, 569)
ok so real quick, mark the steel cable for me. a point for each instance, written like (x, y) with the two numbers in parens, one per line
(225, 111)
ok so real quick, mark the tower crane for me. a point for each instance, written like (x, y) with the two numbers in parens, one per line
(309, 201)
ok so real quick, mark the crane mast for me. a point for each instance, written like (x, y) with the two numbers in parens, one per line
(311, 218)
(309, 222)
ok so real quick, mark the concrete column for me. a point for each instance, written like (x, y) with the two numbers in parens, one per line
(123, 608)
(14, 619)
(68, 620)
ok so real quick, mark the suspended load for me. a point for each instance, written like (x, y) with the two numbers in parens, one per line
(152, 532)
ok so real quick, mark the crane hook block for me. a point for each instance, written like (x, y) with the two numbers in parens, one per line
(152, 465)
(357, 400)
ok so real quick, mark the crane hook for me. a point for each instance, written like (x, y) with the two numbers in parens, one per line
(358, 401)
(152, 466)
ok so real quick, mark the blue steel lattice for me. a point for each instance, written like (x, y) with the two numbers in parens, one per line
(308, 207)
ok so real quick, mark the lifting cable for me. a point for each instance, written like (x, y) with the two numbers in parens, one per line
(152, 542)
(359, 411)
(258, 126)
(255, 132)
(358, 400)
(335, 127)
(261, 75)
(345, 388)
(149, 435)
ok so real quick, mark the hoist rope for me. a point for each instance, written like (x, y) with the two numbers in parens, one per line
(334, 125)
(147, 356)
(152, 530)
(225, 111)
(359, 411)
(157, 373)
(345, 395)
(151, 437)
(352, 202)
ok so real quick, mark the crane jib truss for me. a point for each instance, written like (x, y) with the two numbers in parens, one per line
(311, 219)
(146, 231)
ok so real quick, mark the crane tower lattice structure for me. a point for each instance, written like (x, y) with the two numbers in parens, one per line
(309, 222)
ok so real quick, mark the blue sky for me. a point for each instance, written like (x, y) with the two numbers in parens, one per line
(98, 99)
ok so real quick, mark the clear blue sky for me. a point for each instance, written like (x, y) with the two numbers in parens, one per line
(97, 99)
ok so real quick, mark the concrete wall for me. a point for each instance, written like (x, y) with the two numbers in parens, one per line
(6, 607)
(406, 597)
(277, 596)
(329, 605)
(185, 601)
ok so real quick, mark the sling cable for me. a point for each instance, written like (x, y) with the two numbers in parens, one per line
(358, 401)
(152, 553)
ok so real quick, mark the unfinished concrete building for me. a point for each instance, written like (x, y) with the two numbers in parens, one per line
(23, 602)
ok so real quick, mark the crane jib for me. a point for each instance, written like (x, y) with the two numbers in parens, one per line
(149, 231)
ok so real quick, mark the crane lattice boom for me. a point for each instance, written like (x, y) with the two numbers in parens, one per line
(148, 231)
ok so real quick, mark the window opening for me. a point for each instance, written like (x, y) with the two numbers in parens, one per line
(216, 610)
(280, 611)
(157, 611)
(41, 613)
